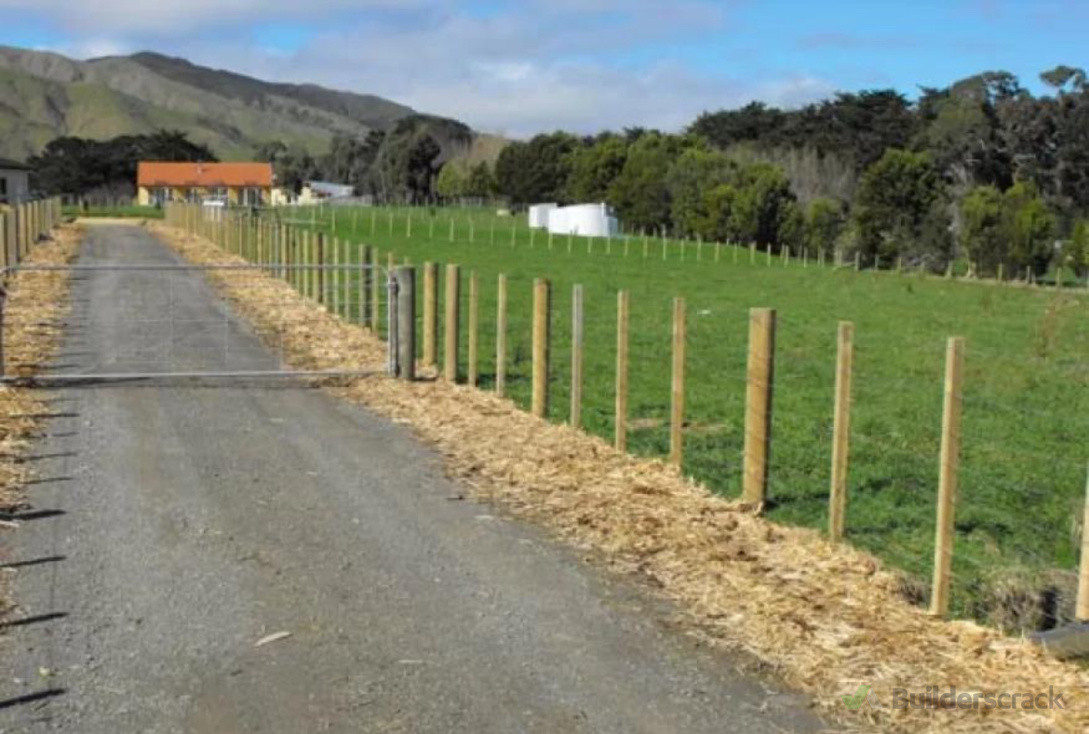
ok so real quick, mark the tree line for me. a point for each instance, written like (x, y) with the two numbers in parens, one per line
(982, 169)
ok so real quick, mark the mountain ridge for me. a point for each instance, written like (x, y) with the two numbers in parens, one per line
(44, 95)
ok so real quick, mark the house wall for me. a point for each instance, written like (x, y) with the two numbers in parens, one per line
(14, 184)
(144, 195)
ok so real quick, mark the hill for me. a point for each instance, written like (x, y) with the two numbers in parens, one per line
(46, 95)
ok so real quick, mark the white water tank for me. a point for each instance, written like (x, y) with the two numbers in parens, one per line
(538, 215)
(583, 220)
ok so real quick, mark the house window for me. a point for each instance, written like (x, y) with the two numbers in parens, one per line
(251, 196)
(3, 187)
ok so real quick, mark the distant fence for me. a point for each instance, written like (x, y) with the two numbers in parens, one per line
(457, 355)
(21, 225)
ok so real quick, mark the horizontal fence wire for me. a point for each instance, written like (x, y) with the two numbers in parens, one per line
(1021, 480)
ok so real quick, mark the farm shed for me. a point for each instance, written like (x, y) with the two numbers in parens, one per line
(14, 181)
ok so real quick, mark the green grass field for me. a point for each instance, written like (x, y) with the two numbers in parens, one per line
(1026, 413)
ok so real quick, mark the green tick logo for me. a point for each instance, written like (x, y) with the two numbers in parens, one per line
(854, 701)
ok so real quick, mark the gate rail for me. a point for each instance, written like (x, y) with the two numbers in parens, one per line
(282, 269)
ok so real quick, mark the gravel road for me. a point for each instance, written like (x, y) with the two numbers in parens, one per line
(175, 524)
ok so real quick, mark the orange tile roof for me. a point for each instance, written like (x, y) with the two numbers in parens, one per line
(205, 175)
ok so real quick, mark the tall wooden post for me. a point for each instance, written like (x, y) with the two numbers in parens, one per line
(758, 404)
(676, 412)
(451, 297)
(841, 430)
(620, 433)
(947, 480)
(576, 355)
(474, 326)
(405, 277)
(376, 289)
(335, 275)
(1081, 607)
(430, 314)
(501, 337)
(541, 320)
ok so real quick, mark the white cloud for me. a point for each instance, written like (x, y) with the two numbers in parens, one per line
(527, 66)
(166, 18)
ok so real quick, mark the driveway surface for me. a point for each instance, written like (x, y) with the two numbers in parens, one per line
(176, 524)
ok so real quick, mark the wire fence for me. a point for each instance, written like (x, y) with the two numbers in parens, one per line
(1015, 482)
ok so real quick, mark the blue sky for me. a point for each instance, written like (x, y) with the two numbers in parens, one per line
(522, 67)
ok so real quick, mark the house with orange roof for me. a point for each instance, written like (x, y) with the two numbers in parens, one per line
(235, 184)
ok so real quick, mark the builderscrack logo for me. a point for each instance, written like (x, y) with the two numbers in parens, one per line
(938, 698)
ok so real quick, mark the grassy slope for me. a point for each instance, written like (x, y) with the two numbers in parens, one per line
(1023, 472)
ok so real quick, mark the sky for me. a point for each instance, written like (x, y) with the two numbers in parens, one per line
(518, 68)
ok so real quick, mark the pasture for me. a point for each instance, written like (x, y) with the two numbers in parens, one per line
(1022, 476)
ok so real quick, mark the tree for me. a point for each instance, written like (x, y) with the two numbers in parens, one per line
(719, 202)
(754, 121)
(451, 182)
(640, 193)
(293, 166)
(981, 233)
(962, 129)
(70, 165)
(896, 197)
(763, 205)
(696, 170)
(480, 182)
(536, 171)
(792, 227)
(594, 167)
(1029, 227)
(823, 223)
(349, 159)
(1076, 248)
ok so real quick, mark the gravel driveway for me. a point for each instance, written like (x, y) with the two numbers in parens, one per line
(176, 524)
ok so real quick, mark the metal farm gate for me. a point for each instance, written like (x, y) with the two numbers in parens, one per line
(168, 320)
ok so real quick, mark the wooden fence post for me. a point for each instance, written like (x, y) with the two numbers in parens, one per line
(451, 296)
(406, 322)
(676, 412)
(758, 404)
(430, 314)
(474, 326)
(541, 321)
(947, 481)
(366, 282)
(576, 355)
(620, 437)
(841, 430)
(376, 289)
(335, 276)
(1081, 607)
(501, 337)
